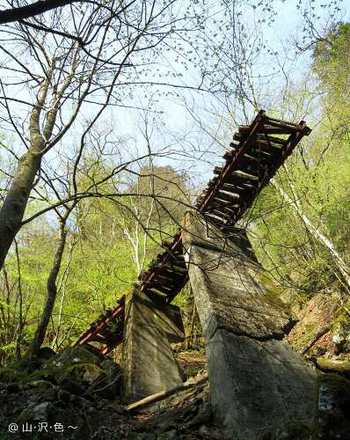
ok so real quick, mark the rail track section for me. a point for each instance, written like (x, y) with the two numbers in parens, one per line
(256, 153)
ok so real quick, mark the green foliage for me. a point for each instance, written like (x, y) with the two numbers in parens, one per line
(110, 240)
(317, 180)
(284, 244)
(331, 57)
(332, 66)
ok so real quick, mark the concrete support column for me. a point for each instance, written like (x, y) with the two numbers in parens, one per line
(260, 388)
(148, 362)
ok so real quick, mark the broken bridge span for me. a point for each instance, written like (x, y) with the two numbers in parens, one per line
(242, 326)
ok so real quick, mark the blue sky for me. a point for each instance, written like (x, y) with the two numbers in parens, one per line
(191, 139)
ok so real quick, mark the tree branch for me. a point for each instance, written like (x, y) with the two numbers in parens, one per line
(37, 8)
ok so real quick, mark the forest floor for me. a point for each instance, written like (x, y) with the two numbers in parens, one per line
(76, 394)
(52, 402)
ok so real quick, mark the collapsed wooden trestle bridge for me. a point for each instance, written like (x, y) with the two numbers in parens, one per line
(256, 153)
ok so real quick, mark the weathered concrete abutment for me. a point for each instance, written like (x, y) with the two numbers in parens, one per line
(260, 388)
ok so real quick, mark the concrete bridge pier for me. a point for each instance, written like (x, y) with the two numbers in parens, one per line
(260, 388)
(148, 362)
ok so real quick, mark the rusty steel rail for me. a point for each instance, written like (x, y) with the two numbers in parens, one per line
(107, 330)
(256, 153)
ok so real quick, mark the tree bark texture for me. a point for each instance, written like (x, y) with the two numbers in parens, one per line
(51, 292)
(12, 210)
(27, 11)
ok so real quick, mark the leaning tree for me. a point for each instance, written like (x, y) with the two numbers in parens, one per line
(61, 71)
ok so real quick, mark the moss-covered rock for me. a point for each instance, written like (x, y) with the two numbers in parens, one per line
(312, 334)
(76, 370)
(341, 329)
(339, 364)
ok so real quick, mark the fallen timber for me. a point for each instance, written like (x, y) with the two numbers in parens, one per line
(256, 153)
(199, 380)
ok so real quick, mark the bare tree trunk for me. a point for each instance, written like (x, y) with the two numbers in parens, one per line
(12, 210)
(193, 337)
(51, 291)
(189, 338)
(317, 234)
(55, 344)
(20, 299)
